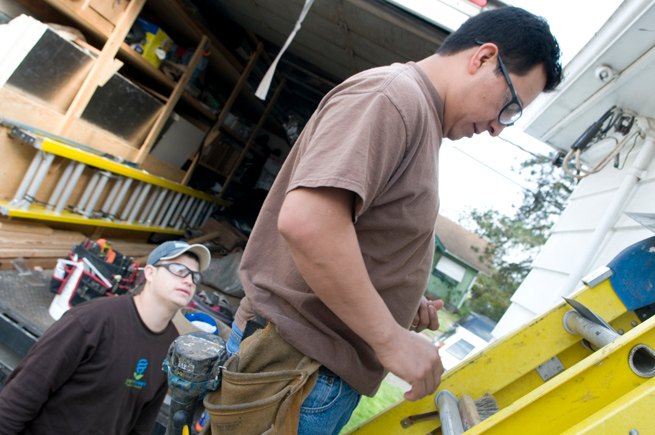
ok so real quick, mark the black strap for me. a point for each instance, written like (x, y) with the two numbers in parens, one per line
(253, 326)
(327, 372)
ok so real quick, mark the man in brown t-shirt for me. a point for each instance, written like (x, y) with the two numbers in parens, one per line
(341, 252)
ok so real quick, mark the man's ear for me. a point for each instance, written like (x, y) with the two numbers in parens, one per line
(487, 52)
(149, 272)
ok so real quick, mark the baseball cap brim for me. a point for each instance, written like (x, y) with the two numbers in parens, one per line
(173, 250)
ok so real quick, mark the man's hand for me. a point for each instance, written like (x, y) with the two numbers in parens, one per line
(426, 315)
(413, 359)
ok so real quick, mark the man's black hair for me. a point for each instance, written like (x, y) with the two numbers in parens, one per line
(524, 41)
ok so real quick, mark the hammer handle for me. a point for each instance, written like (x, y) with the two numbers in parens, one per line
(408, 421)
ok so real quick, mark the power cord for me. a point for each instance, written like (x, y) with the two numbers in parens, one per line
(614, 117)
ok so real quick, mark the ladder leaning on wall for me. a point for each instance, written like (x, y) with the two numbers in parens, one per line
(133, 198)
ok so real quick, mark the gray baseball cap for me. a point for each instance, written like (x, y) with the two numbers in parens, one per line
(173, 249)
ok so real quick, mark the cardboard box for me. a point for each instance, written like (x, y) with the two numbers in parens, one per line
(180, 131)
(229, 236)
(269, 172)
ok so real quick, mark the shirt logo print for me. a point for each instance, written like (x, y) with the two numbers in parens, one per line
(140, 368)
(135, 381)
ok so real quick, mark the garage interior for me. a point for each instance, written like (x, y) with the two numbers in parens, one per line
(182, 107)
(136, 122)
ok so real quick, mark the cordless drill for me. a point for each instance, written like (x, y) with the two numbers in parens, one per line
(193, 365)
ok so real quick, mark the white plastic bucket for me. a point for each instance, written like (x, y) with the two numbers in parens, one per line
(61, 302)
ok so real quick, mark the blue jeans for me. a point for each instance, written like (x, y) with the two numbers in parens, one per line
(328, 407)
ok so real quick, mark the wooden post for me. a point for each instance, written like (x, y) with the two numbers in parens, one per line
(97, 233)
(103, 67)
(166, 111)
(214, 132)
(253, 136)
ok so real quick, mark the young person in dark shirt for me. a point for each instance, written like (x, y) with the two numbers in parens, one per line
(98, 369)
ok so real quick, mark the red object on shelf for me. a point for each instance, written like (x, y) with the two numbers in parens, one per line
(481, 3)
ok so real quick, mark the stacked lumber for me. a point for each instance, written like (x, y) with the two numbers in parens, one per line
(40, 245)
(221, 233)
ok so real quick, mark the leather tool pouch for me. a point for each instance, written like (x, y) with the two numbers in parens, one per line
(263, 387)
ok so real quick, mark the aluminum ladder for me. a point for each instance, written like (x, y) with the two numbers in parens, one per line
(132, 198)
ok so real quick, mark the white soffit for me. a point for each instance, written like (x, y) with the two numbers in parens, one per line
(626, 43)
(449, 14)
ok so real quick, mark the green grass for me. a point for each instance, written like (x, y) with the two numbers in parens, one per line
(446, 319)
(387, 395)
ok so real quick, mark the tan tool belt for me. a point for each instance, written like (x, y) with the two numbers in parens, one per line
(263, 387)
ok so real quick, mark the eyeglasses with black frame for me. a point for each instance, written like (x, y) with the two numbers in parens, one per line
(512, 111)
(181, 271)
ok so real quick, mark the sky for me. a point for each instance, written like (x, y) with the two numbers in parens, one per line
(482, 172)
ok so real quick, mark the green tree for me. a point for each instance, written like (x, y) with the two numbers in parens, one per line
(515, 240)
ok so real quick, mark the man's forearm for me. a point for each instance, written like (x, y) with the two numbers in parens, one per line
(20, 401)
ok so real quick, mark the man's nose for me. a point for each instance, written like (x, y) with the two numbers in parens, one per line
(189, 279)
(495, 128)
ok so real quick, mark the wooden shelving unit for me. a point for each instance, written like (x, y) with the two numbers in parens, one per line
(106, 30)
(226, 70)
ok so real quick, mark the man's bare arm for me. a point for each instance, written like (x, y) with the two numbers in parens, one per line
(317, 226)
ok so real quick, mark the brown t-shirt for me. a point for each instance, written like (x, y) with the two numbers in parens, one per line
(377, 135)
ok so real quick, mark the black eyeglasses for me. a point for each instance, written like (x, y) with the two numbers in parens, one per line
(513, 110)
(182, 271)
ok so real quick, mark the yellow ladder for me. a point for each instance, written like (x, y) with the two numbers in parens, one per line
(547, 382)
(133, 198)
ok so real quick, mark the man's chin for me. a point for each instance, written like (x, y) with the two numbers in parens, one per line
(457, 135)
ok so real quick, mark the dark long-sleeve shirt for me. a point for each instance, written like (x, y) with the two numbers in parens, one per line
(95, 371)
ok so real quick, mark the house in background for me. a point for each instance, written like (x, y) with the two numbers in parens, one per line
(457, 262)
